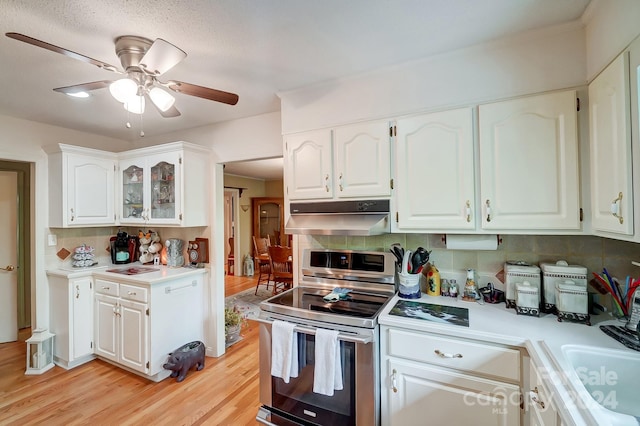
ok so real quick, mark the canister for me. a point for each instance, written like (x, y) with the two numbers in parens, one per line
(559, 272)
(519, 272)
(572, 302)
(527, 299)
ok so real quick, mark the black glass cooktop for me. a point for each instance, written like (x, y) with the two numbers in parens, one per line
(358, 303)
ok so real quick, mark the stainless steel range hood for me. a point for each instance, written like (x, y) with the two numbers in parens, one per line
(366, 217)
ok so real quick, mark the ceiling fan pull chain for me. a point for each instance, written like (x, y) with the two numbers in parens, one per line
(141, 126)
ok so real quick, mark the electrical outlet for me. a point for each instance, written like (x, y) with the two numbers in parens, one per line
(52, 239)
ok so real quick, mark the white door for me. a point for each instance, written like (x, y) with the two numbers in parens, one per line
(134, 342)
(106, 326)
(448, 398)
(435, 171)
(90, 190)
(362, 165)
(8, 257)
(308, 168)
(82, 317)
(529, 163)
(610, 133)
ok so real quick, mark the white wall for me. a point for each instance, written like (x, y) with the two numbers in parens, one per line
(611, 25)
(22, 140)
(534, 62)
(248, 138)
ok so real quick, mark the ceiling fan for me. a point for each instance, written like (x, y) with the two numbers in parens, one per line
(143, 62)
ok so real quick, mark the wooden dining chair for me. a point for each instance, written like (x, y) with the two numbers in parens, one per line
(230, 259)
(262, 263)
(281, 267)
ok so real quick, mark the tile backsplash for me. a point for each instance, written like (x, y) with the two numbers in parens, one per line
(592, 252)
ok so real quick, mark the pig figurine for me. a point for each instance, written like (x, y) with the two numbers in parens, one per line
(182, 359)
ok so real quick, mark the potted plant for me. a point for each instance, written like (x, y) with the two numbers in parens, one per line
(233, 322)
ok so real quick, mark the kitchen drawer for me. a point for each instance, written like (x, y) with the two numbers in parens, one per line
(139, 294)
(106, 287)
(483, 359)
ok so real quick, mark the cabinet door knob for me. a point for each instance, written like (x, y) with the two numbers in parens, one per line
(446, 355)
(326, 183)
(72, 215)
(340, 182)
(468, 210)
(77, 292)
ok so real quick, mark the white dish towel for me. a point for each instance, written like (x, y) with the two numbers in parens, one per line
(284, 350)
(327, 371)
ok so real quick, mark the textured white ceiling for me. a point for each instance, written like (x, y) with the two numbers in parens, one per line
(254, 48)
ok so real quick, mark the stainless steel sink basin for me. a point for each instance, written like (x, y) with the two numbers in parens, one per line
(611, 377)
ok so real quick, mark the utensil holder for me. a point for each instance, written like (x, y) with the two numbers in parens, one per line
(409, 286)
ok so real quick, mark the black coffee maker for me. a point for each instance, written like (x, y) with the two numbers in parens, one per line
(120, 252)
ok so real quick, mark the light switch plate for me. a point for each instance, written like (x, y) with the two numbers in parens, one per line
(52, 239)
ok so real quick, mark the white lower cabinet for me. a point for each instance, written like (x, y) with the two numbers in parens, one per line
(121, 331)
(137, 326)
(71, 319)
(429, 379)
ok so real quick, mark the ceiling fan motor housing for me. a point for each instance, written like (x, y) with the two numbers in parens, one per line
(130, 50)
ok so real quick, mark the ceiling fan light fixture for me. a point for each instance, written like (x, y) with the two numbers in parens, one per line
(135, 104)
(123, 89)
(161, 99)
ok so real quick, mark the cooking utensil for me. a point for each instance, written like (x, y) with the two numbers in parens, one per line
(406, 265)
(396, 250)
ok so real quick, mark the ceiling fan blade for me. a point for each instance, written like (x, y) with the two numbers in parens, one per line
(203, 92)
(62, 51)
(171, 112)
(85, 87)
(161, 57)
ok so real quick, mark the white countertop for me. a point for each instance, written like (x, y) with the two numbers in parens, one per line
(160, 275)
(543, 337)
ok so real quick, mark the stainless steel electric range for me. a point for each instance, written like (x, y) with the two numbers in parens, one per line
(369, 278)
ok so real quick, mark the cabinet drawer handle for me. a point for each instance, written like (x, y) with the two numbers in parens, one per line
(446, 355)
(394, 383)
(533, 395)
(131, 293)
(615, 208)
(106, 288)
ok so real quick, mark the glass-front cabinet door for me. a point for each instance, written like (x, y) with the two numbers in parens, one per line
(133, 193)
(150, 190)
(163, 191)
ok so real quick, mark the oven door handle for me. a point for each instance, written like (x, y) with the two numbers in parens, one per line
(309, 330)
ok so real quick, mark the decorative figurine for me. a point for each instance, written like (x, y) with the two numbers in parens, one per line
(184, 358)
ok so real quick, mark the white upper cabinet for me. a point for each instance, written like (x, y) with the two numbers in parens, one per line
(529, 177)
(361, 159)
(165, 185)
(610, 153)
(349, 162)
(308, 168)
(435, 172)
(81, 187)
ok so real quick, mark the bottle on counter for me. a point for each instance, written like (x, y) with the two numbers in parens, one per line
(470, 292)
(433, 281)
(453, 288)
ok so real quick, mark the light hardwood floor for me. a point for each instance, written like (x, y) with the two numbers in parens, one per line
(225, 392)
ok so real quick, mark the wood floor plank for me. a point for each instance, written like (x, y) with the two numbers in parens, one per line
(225, 392)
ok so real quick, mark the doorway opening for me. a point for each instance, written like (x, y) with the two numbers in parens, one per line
(15, 258)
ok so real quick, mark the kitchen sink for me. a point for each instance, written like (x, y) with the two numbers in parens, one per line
(610, 376)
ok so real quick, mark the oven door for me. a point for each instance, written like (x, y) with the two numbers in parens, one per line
(295, 403)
